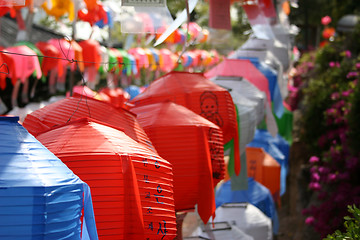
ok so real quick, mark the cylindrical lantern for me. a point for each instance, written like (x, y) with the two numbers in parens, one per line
(104, 156)
(40, 197)
(193, 145)
(200, 95)
(71, 108)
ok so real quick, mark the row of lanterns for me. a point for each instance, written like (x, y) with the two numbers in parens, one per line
(136, 190)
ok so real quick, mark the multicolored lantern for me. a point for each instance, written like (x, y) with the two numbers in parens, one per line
(93, 13)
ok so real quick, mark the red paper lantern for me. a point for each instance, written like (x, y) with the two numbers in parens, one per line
(91, 53)
(95, 12)
(200, 95)
(118, 97)
(71, 108)
(193, 145)
(48, 64)
(122, 174)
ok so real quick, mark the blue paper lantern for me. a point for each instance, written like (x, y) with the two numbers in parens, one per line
(133, 90)
(40, 197)
(274, 88)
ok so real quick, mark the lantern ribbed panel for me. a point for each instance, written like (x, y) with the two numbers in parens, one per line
(72, 108)
(97, 153)
(190, 143)
(40, 197)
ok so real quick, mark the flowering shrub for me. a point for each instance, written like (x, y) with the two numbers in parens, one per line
(330, 127)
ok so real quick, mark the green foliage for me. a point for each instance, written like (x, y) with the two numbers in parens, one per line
(351, 224)
(308, 16)
(322, 82)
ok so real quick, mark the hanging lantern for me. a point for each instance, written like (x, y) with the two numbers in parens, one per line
(21, 67)
(133, 91)
(118, 97)
(72, 108)
(246, 117)
(84, 91)
(40, 197)
(59, 8)
(200, 95)
(91, 53)
(256, 194)
(93, 13)
(247, 218)
(70, 51)
(263, 139)
(49, 63)
(244, 88)
(131, 185)
(241, 68)
(264, 169)
(194, 147)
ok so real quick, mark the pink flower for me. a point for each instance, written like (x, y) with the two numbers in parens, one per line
(335, 95)
(347, 93)
(357, 65)
(315, 176)
(314, 159)
(331, 177)
(352, 74)
(331, 64)
(310, 220)
(325, 20)
(315, 186)
(337, 64)
(348, 54)
(324, 170)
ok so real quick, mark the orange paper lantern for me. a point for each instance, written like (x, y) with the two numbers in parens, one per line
(193, 145)
(264, 169)
(200, 95)
(71, 108)
(123, 176)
